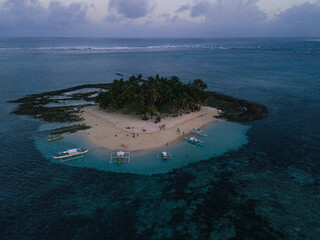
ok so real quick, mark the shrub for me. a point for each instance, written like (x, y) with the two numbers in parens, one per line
(145, 118)
(158, 119)
(126, 111)
(164, 109)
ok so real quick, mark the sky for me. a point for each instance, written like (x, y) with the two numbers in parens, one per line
(160, 18)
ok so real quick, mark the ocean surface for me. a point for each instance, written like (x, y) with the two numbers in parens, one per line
(258, 180)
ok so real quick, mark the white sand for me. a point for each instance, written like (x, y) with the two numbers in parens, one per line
(111, 130)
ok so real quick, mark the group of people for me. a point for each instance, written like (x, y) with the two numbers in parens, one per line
(162, 127)
(124, 146)
(179, 131)
(133, 134)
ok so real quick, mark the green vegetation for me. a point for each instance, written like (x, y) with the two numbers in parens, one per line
(173, 100)
(153, 96)
(70, 129)
(158, 119)
(145, 118)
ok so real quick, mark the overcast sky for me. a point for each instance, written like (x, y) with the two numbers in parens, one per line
(160, 18)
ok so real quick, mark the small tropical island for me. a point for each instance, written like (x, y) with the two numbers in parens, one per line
(142, 114)
(136, 114)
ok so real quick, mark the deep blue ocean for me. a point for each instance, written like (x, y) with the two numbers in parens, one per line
(267, 189)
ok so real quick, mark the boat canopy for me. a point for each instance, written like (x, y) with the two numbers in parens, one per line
(164, 153)
(120, 157)
(71, 151)
(120, 154)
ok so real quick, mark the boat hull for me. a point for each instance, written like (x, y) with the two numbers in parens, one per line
(56, 138)
(201, 133)
(74, 155)
(194, 143)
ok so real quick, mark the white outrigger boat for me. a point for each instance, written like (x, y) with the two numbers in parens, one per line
(70, 154)
(120, 157)
(194, 141)
(199, 132)
(164, 155)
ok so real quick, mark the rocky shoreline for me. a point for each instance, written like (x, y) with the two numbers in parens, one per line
(53, 106)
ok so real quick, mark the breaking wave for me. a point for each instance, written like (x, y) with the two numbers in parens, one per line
(117, 48)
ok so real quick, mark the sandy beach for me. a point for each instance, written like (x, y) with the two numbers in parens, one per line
(115, 131)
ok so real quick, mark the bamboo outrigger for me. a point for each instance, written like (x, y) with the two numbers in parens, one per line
(164, 155)
(194, 141)
(120, 157)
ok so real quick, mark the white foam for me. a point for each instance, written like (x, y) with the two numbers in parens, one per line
(119, 48)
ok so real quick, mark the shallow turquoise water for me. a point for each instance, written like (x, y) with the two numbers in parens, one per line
(222, 137)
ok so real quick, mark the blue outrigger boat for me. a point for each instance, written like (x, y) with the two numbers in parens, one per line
(199, 132)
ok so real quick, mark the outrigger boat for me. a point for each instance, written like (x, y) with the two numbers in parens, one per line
(164, 155)
(120, 157)
(194, 141)
(199, 132)
(70, 154)
(55, 138)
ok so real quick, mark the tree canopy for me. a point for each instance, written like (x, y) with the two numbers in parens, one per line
(154, 95)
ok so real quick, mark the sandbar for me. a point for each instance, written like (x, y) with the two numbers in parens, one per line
(114, 130)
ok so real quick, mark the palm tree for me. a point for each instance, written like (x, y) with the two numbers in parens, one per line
(154, 94)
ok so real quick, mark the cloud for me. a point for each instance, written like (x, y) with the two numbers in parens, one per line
(30, 17)
(167, 18)
(23, 13)
(243, 18)
(229, 11)
(71, 15)
(303, 20)
(183, 8)
(227, 18)
(131, 8)
(200, 8)
(219, 18)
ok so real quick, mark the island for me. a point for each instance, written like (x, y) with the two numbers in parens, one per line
(136, 114)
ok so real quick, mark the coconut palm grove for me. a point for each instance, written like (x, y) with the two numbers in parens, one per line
(154, 95)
